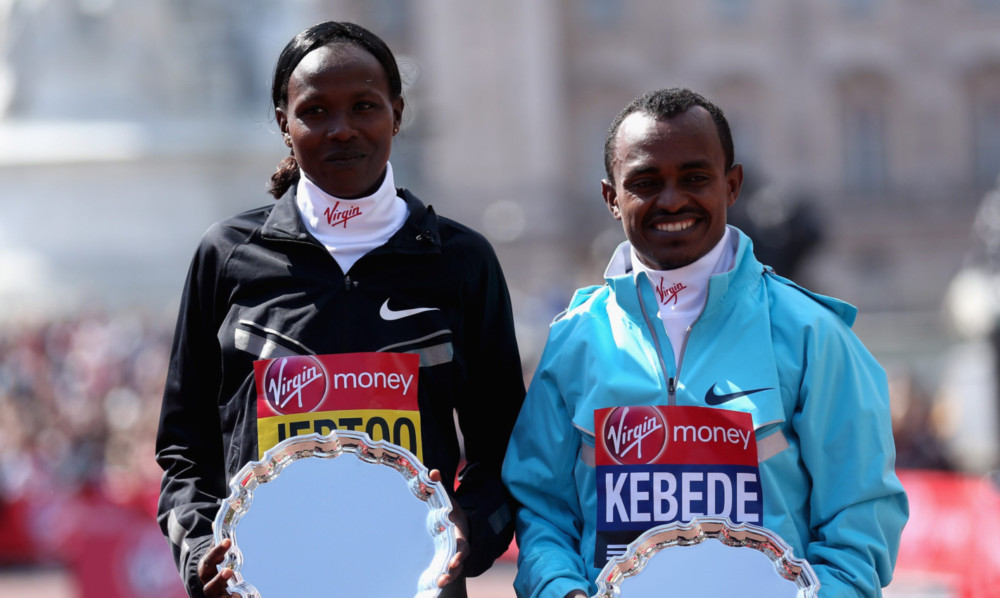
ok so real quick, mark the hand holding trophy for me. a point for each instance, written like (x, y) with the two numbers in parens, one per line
(340, 512)
(703, 561)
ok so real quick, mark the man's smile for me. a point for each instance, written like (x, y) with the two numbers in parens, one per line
(673, 227)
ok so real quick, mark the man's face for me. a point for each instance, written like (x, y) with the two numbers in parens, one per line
(671, 189)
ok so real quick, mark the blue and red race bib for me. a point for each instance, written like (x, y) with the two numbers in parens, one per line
(663, 464)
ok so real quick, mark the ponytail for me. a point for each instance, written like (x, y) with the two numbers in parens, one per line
(284, 177)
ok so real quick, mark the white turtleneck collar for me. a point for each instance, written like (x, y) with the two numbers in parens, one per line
(681, 293)
(350, 228)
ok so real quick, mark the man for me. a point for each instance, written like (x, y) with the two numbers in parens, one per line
(689, 327)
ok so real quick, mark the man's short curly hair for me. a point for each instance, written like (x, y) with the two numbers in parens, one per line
(665, 103)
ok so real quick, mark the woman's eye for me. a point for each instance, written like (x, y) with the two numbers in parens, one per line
(364, 106)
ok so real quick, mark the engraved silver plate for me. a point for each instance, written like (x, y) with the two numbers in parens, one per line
(708, 569)
(305, 522)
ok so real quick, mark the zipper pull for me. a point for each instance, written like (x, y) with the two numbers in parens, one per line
(671, 387)
(348, 283)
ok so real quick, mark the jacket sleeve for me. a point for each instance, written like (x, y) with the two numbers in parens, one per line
(494, 391)
(857, 504)
(189, 444)
(539, 471)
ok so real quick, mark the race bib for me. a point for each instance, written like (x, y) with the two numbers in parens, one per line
(375, 393)
(662, 464)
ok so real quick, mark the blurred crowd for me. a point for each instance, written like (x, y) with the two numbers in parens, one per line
(79, 404)
(80, 396)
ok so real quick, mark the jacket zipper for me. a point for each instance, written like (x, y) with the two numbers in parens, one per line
(671, 380)
(684, 343)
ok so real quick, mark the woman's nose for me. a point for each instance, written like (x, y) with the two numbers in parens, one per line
(341, 128)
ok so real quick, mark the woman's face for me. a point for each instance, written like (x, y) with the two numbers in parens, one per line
(340, 118)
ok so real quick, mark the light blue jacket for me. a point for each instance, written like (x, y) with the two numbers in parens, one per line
(824, 433)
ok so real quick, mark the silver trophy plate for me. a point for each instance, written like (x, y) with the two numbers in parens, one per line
(710, 558)
(337, 515)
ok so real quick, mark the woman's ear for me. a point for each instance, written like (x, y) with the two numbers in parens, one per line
(397, 114)
(282, 120)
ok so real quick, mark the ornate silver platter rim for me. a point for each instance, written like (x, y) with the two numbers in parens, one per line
(697, 531)
(336, 444)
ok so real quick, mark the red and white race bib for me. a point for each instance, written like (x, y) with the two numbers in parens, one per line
(375, 393)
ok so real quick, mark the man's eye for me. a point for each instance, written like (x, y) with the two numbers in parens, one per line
(643, 184)
(364, 106)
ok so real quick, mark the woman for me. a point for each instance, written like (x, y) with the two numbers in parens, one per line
(342, 264)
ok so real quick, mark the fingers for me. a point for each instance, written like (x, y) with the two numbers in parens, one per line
(455, 564)
(457, 517)
(444, 580)
(217, 553)
(208, 565)
(213, 580)
(216, 587)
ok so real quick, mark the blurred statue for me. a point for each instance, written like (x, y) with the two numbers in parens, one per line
(969, 387)
(785, 227)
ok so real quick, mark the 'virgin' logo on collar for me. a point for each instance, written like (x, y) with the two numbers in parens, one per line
(335, 217)
(669, 295)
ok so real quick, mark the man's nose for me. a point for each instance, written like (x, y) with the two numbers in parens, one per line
(670, 198)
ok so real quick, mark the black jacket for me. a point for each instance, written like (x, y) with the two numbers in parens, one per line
(260, 286)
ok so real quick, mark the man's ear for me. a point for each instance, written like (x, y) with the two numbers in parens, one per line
(734, 181)
(611, 198)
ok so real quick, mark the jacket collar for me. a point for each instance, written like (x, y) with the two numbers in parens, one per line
(420, 232)
(621, 261)
(746, 271)
(744, 279)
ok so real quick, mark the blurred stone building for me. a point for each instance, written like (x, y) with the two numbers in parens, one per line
(127, 128)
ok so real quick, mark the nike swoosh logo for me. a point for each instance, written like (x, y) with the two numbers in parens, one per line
(713, 398)
(391, 314)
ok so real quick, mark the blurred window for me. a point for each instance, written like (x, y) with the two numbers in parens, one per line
(733, 11)
(746, 137)
(864, 145)
(741, 98)
(602, 12)
(859, 9)
(388, 17)
(984, 91)
(864, 131)
(986, 128)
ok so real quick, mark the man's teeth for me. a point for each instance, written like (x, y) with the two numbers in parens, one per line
(673, 227)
